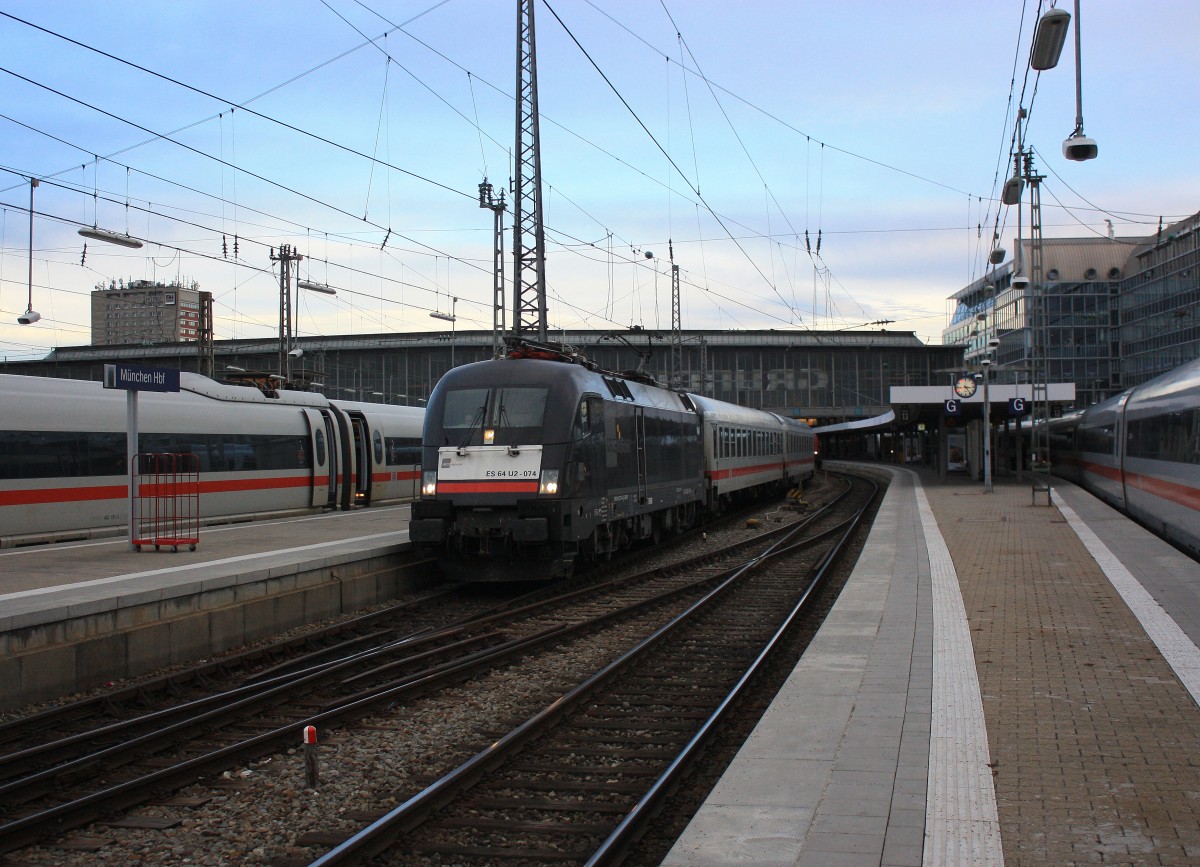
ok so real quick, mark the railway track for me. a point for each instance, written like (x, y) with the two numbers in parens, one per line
(578, 781)
(364, 681)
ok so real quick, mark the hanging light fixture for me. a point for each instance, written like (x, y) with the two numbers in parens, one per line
(30, 315)
(323, 288)
(1013, 188)
(110, 237)
(1079, 147)
(1048, 39)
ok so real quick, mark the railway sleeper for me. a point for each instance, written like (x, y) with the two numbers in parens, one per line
(518, 826)
(538, 856)
(624, 769)
(489, 802)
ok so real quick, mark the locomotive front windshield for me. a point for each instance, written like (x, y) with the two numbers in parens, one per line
(500, 416)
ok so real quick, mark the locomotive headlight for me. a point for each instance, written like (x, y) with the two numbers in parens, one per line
(428, 483)
(549, 482)
(489, 437)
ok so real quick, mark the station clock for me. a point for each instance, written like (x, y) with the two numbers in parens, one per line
(965, 387)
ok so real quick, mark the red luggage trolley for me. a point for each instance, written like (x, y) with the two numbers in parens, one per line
(168, 501)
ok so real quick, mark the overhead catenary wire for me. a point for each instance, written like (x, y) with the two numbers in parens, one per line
(256, 269)
(656, 143)
(168, 78)
(615, 232)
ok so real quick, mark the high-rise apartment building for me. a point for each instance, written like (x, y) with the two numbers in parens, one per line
(142, 311)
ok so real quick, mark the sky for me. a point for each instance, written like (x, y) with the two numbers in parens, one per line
(807, 165)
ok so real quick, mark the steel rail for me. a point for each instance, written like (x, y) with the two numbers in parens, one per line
(378, 836)
(22, 831)
(616, 846)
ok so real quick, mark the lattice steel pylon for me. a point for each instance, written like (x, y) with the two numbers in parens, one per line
(1038, 308)
(676, 328)
(286, 258)
(496, 206)
(529, 238)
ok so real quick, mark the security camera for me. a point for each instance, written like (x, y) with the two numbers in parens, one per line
(1080, 148)
(29, 317)
(296, 353)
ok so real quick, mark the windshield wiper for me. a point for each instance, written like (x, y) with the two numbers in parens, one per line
(475, 425)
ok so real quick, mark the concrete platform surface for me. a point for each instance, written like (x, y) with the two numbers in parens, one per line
(76, 615)
(998, 682)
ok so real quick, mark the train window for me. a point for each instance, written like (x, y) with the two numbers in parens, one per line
(1172, 436)
(235, 453)
(239, 454)
(49, 454)
(582, 422)
(319, 438)
(518, 407)
(377, 442)
(403, 451)
(463, 410)
(181, 444)
(1096, 439)
(512, 415)
(279, 452)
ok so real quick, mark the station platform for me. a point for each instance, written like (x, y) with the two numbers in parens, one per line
(999, 682)
(78, 614)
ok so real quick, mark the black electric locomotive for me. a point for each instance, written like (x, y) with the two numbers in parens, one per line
(537, 460)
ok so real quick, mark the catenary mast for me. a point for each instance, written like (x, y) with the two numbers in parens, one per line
(529, 238)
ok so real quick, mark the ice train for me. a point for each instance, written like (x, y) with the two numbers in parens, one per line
(1140, 451)
(63, 455)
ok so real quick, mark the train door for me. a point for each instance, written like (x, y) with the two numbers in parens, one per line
(587, 473)
(1119, 446)
(339, 426)
(363, 466)
(323, 452)
(640, 439)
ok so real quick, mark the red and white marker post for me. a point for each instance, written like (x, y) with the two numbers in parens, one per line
(312, 773)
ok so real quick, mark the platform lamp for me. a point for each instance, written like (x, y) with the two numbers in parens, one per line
(322, 288)
(1079, 147)
(450, 317)
(30, 315)
(1049, 38)
(97, 234)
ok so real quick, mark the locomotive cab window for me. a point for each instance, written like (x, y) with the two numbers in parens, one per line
(496, 416)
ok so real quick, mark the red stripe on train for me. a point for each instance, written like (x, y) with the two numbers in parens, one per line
(487, 487)
(78, 494)
(62, 495)
(760, 468)
(396, 476)
(1172, 491)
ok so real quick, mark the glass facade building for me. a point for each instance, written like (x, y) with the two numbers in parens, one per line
(1107, 313)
